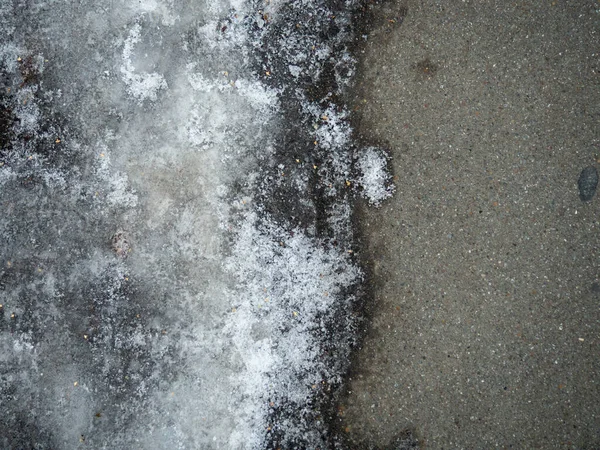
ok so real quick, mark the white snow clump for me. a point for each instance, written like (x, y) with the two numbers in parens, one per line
(374, 178)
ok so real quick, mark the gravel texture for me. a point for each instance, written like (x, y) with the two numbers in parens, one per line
(484, 265)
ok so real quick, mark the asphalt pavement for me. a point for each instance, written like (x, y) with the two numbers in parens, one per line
(484, 270)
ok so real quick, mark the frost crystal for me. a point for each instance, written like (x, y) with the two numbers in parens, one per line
(143, 85)
(374, 177)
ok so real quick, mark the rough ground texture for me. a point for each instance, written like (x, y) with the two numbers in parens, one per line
(485, 263)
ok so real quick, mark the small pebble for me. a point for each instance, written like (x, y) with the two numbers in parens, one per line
(588, 182)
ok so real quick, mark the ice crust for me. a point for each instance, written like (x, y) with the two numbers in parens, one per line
(177, 269)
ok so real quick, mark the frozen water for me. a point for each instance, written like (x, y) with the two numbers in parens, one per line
(177, 187)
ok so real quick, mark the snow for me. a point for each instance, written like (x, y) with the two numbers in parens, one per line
(179, 270)
(374, 177)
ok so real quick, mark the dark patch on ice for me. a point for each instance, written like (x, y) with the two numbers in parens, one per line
(279, 194)
(326, 87)
(21, 424)
(120, 244)
(19, 146)
(7, 119)
(296, 149)
(29, 71)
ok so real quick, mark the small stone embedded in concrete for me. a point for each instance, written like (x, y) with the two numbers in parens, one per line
(588, 182)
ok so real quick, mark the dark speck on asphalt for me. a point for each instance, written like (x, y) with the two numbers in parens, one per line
(588, 182)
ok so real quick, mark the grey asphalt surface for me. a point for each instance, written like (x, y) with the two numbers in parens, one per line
(485, 273)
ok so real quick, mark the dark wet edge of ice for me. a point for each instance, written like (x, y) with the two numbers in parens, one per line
(161, 291)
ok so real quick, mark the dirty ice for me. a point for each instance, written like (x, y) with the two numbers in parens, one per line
(177, 181)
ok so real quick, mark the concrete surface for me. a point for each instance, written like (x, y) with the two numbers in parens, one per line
(485, 271)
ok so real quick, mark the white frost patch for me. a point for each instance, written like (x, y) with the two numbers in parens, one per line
(294, 70)
(259, 96)
(205, 125)
(220, 105)
(232, 38)
(6, 174)
(334, 131)
(54, 179)
(374, 177)
(288, 287)
(141, 86)
(154, 6)
(198, 82)
(9, 53)
(27, 110)
(332, 134)
(118, 192)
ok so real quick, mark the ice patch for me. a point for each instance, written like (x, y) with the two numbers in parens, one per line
(188, 264)
(117, 192)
